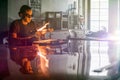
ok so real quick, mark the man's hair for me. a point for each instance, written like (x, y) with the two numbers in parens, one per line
(23, 9)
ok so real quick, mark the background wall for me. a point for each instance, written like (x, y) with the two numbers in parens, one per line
(46, 5)
(55, 5)
(13, 8)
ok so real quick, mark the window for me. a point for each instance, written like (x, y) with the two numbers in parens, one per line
(99, 50)
(35, 4)
(98, 14)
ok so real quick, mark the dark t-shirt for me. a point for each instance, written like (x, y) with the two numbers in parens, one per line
(23, 31)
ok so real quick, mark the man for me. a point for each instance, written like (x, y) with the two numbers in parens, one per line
(21, 33)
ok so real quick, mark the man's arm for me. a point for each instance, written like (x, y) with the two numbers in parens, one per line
(14, 36)
(40, 29)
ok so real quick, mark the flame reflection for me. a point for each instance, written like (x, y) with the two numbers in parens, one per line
(42, 52)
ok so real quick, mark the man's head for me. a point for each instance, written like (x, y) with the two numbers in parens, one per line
(25, 13)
